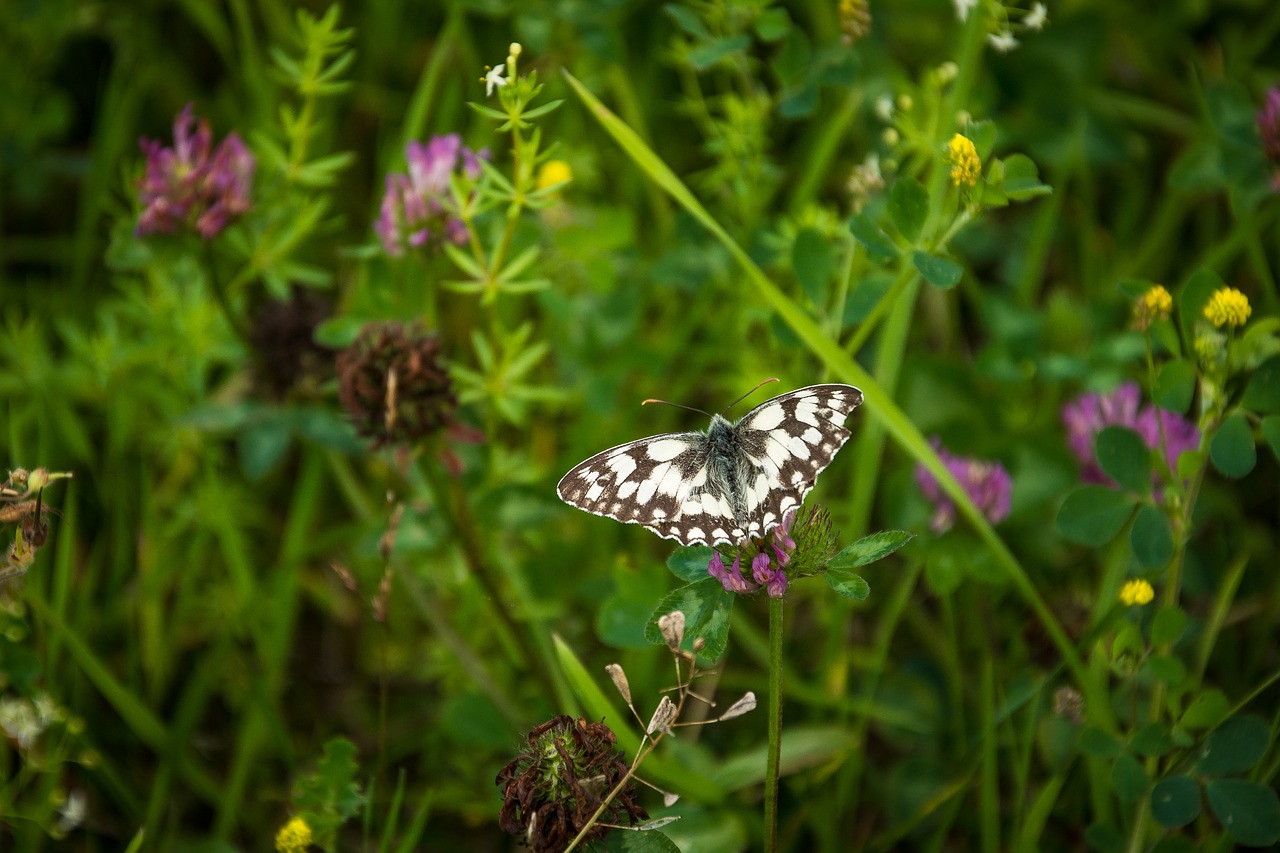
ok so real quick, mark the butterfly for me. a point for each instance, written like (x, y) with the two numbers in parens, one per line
(736, 481)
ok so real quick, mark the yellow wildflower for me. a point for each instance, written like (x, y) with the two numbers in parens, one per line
(855, 19)
(966, 166)
(1136, 592)
(1155, 304)
(294, 836)
(554, 172)
(1227, 307)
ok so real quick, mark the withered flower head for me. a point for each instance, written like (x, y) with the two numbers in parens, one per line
(551, 790)
(394, 385)
(283, 333)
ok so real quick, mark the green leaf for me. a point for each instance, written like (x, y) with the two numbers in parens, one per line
(1096, 743)
(1104, 838)
(1190, 462)
(940, 272)
(908, 207)
(1206, 711)
(1249, 812)
(1151, 538)
(814, 259)
(1175, 801)
(1262, 395)
(1232, 449)
(635, 841)
(1093, 515)
(1234, 747)
(1192, 298)
(1152, 740)
(880, 249)
(847, 584)
(706, 606)
(1167, 669)
(1022, 179)
(709, 53)
(260, 447)
(773, 24)
(1125, 458)
(1271, 432)
(1168, 625)
(1176, 385)
(687, 20)
(870, 548)
(690, 563)
(1128, 778)
(329, 795)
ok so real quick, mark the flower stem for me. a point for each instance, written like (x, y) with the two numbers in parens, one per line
(775, 726)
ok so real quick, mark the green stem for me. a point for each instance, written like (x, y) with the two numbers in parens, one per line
(775, 726)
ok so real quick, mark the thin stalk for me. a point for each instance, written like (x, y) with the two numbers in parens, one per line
(775, 726)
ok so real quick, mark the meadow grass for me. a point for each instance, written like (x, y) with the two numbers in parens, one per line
(316, 356)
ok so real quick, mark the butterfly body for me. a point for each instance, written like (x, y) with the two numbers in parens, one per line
(735, 481)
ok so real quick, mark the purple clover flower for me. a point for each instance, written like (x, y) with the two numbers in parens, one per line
(731, 577)
(191, 185)
(763, 568)
(1269, 130)
(1089, 414)
(414, 209)
(988, 485)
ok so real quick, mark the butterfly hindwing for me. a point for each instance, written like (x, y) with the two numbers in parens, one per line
(790, 440)
(732, 483)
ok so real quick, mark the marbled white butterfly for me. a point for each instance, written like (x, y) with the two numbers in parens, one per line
(734, 482)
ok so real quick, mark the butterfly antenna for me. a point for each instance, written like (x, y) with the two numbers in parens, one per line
(749, 393)
(676, 405)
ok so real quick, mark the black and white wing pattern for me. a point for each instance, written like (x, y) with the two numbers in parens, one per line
(734, 482)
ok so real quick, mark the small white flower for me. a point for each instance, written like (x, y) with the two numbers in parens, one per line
(1002, 41)
(1036, 18)
(963, 7)
(493, 77)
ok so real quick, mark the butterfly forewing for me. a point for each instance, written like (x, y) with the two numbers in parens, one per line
(691, 488)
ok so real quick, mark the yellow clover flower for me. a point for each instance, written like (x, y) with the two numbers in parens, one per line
(1227, 307)
(554, 172)
(294, 836)
(1136, 592)
(1155, 304)
(966, 165)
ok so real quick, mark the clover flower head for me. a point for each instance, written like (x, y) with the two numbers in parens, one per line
(1089, 414)
(1136, 592)
(855, 19)
(1269, 124)
(1227, 307)
(193, 185)
(554, 172)
(417, 207)
(987, 483)
(294, 837)
(966, 165)
(1155, 304)
(555, 786)
(393, 383)
(730, 577)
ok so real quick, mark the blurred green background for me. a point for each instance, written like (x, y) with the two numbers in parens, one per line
(206, 614)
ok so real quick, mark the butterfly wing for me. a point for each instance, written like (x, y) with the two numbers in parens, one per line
(787, 442)
(652, 482)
